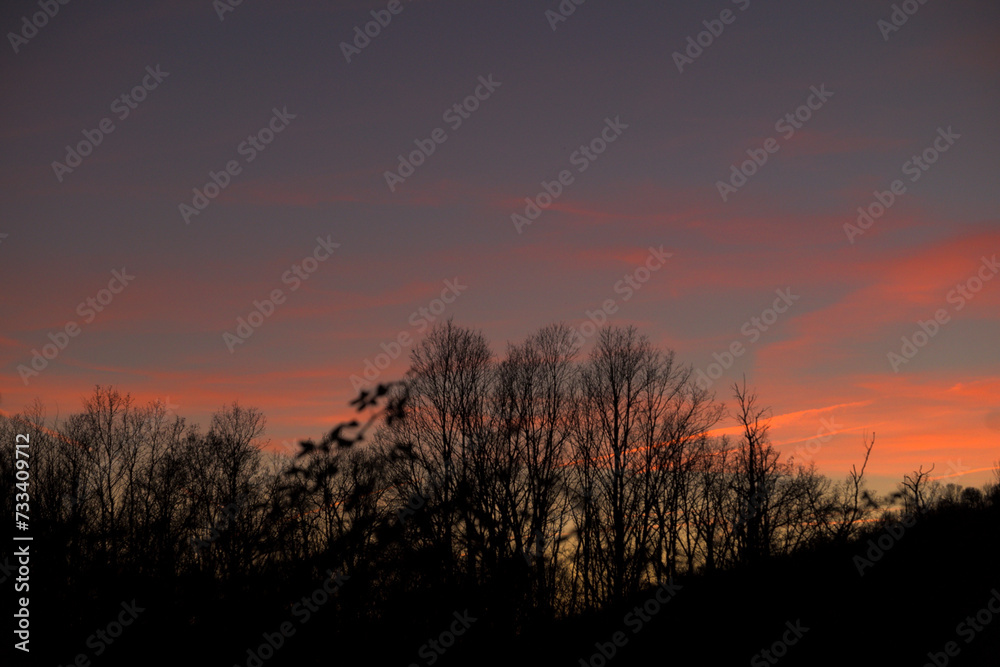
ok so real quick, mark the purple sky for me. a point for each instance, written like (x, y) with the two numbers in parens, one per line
(835, 355)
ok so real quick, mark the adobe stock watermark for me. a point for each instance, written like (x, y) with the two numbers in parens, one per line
(581, 158)
(223, 7)
(303, 611)
(169, 407)
(293, 277)
(914, 168)
(713, 30)
(752, 329)
(956, 468)
(562, 12)
(31, 25)
(629, 284)
(635, 620)
(122, 106)
(372, 29)
(959, 295)
(787, 125)
(454, 115)
(433, 649)
(419, 319)
(779, 649)
(900, 14)
(88, 310)
(249, 148)
(968, 629)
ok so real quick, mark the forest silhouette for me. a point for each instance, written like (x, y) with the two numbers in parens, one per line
(524, 508)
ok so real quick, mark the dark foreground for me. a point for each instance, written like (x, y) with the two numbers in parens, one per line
(928, 593)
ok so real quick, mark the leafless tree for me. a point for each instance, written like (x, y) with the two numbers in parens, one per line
(850, 503)
(533, 405)
(226, 467)
(918, 490)
(546, 483)
(756, 477)
(445, 425)
(638, 423)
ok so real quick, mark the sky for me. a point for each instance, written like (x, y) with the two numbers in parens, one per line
(801, 193)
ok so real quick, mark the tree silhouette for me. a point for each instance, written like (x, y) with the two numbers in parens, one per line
(541, 484)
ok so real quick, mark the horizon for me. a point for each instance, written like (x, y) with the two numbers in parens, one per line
(800, 451)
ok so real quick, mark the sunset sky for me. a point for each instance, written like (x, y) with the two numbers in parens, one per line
(643, 125)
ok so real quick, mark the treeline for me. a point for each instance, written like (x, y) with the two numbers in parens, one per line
(548, 482)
